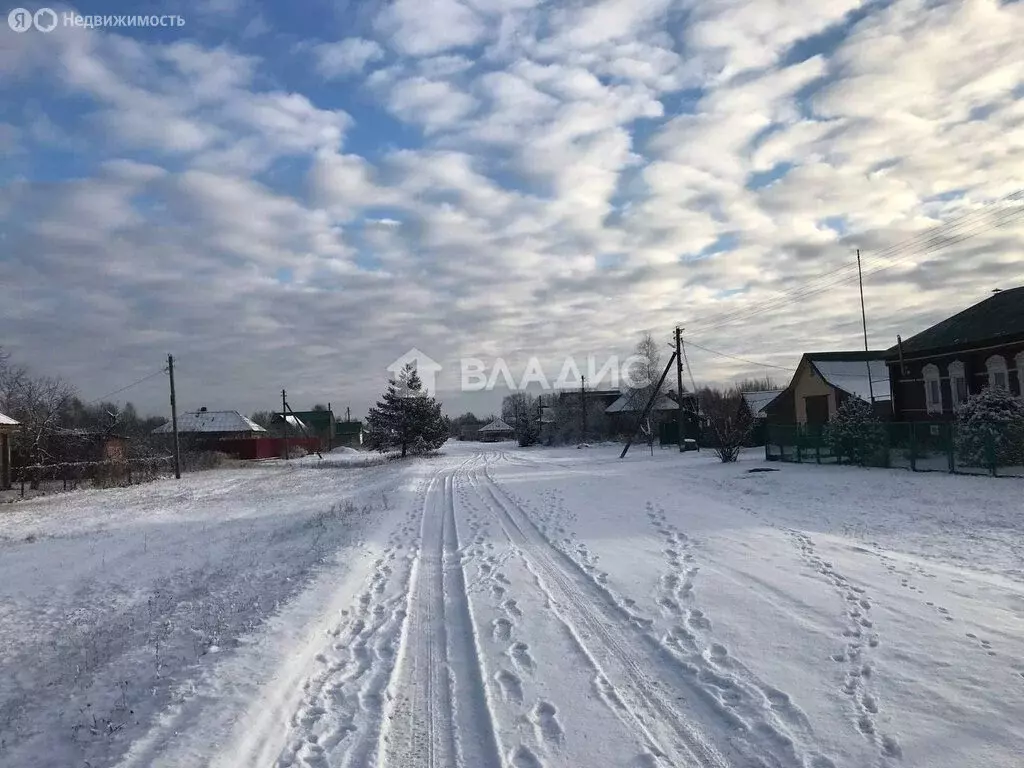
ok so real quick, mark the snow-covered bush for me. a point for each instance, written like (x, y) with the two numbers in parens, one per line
(854, 433)
(990, 427)
(728, 422)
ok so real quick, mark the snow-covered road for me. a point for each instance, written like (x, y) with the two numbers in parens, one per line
(495, 606)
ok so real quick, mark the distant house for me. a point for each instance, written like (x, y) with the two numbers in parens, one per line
(77, 445)
(936, 370)
(8, 427)
(622, 405)
(320, 424)
(604, 397)
(205, 429)
(288, 424)
(348, 433)
(624, 412)
(496, 431)
(757, 404)
(824, 380)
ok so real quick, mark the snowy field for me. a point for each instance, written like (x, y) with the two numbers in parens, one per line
(496, 606)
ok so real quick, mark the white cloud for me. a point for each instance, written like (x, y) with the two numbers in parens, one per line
(417, 29)
(346, 57)
(434, 104)
(553, 172)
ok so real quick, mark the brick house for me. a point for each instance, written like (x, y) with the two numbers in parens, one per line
(936, 370)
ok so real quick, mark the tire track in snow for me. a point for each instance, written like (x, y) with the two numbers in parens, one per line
(440, 716)
(512, 679)
(327, 707)
(629, 671)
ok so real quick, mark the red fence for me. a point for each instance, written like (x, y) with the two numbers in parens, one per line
(266, 447)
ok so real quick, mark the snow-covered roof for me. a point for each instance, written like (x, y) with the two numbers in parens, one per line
(7, 421)
(293, 421)
(758, 401)
(212, 421)
(622, 405)
(852, 376)
(496, 426)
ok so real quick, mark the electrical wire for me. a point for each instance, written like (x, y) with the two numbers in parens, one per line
(128, 386)
(943, 236)
(740, 359)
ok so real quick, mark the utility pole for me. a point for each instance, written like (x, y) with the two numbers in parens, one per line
(583, 407)
(650, 403)
(348, 414)
(174, 420)
(864, 321)
(284, 419)
(679, 385)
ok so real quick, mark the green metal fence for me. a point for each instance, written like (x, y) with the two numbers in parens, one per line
(917, 446)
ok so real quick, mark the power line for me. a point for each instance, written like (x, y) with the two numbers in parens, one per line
(944, 235)
(128, 386)
(769, 365)
(741, 359)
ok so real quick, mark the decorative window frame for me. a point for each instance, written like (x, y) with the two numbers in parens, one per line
(931, 375)
(957, 372)
(996, 365)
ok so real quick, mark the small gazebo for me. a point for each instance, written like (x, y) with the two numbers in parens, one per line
(496, 431)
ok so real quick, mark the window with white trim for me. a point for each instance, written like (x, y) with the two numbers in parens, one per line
(998, 374)
(957, 383)
(932, 388)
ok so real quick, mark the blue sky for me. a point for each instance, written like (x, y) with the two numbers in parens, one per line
(293, 196)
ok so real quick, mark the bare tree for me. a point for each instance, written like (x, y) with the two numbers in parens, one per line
(39, 403)
(728, 422)
(763, 384)
(644, 376)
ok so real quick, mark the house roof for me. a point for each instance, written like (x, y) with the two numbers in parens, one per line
(348, 427)
(848, 371)
(7, 421)
(315, 419)
(998, 317)
(758, 401)
(292, 421)
(622, 405)
(496, 426)
(212, 421)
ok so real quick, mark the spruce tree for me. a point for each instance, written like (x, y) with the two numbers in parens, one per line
(406, 418)
(990, 428)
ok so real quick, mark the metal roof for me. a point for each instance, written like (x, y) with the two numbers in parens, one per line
(999, 316)
(7, 421)
(663, 403)
(212, 421)
(851, 375)
(758, 401)
(496, 426)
